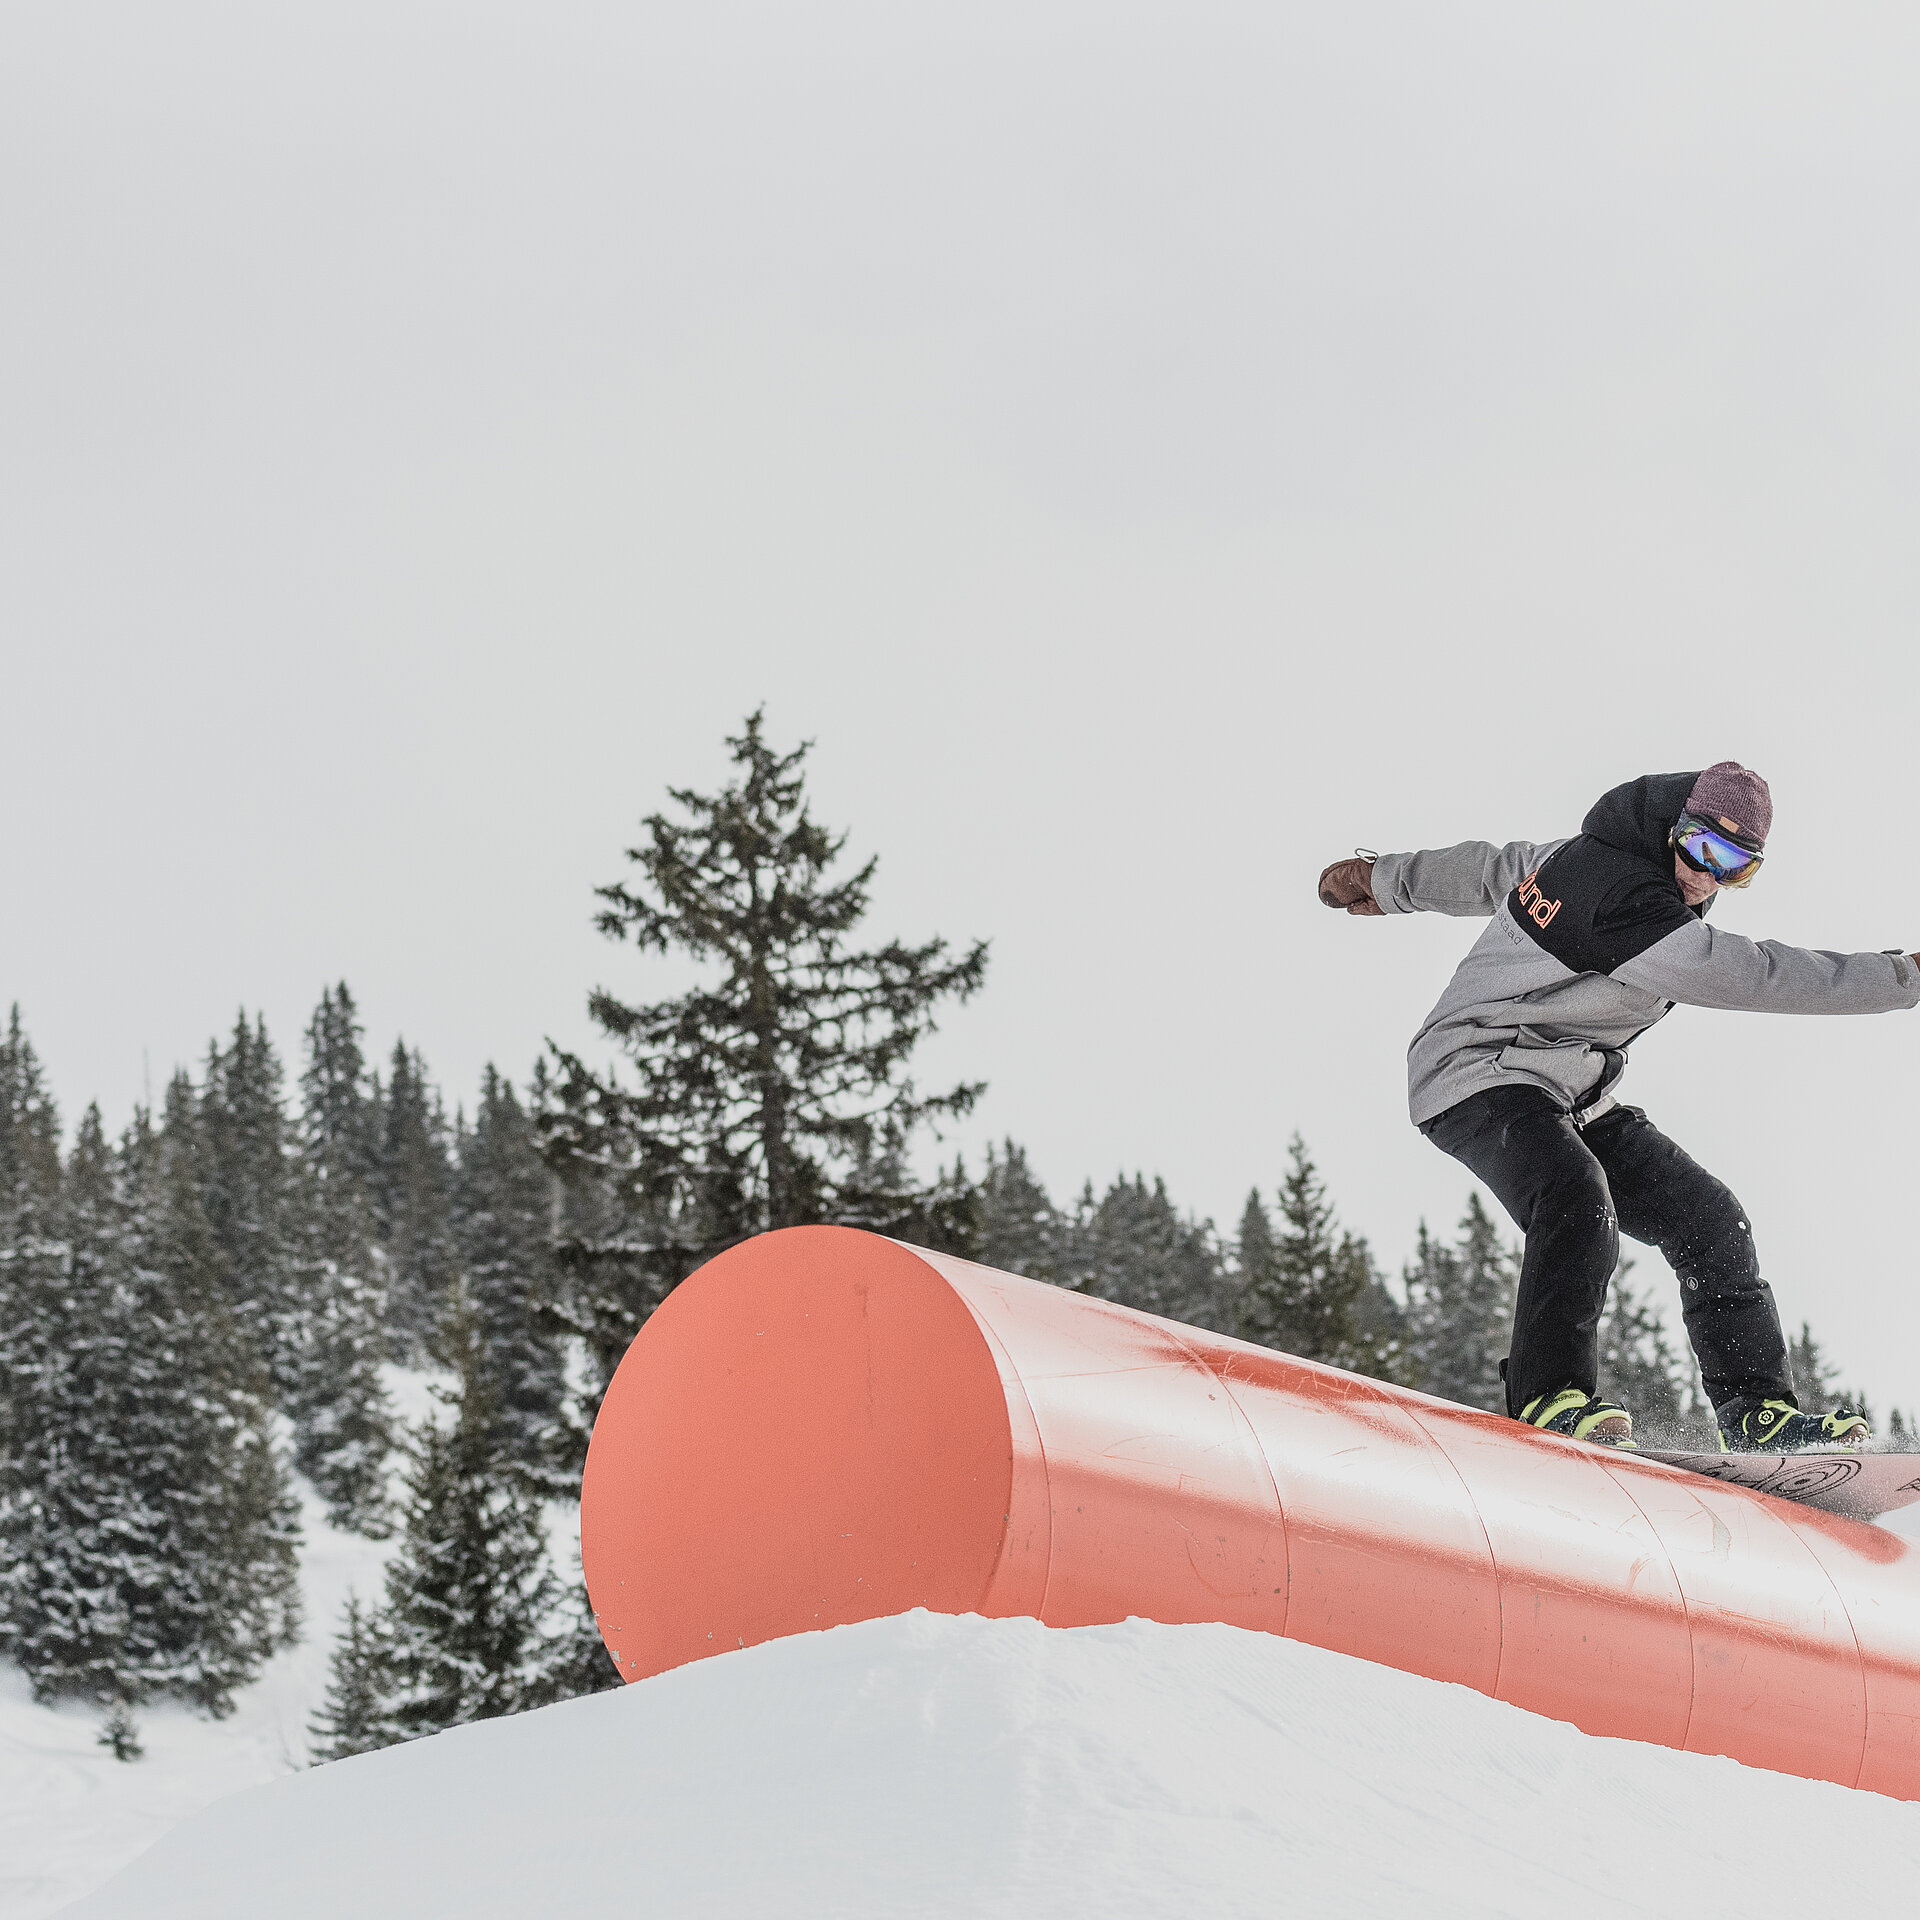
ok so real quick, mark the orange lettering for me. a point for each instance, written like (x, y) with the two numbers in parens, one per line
(1539, 908)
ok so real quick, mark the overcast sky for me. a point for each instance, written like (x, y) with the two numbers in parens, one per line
(1151, 450)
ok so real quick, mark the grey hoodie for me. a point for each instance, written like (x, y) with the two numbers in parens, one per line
(1591, 942)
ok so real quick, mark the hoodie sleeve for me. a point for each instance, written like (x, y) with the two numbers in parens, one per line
(1469, 880)
(1701, 966)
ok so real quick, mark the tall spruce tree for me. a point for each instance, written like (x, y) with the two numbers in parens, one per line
(1460, 1311)
(504, 1226)
(145, 1526)
(466, 1631)
(247, 1185)
(414, 1205)
(1132, 1246)
(760, 1097)
(354, 1715)
(1019, 1230)
(1318, 1294)
(343, 1422)
(1253, 1244)
(29, 1141)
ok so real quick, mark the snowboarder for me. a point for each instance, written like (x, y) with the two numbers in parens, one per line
(1592, 940)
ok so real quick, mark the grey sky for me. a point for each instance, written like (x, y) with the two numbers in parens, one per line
(1150, 449)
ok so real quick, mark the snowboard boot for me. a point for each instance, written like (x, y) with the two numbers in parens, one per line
(1581, 1416)
(1778, 1426)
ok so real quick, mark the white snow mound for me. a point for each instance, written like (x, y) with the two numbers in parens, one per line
(930, 1765)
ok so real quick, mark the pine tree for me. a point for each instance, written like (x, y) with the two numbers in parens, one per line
(121, 1733)
(145, 1526)
(1132, 1247)
(469, 1593)
(343, 1423)
(761, 1096)
(1020, 1230)
(1253, 1247)
(1318, 1294)
(353, 1716)
(414, 1205)
(248, 1187)
(1460, 1311)
(29, 1142)
(504, 1231)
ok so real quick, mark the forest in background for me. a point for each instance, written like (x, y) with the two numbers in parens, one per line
(195, 1311)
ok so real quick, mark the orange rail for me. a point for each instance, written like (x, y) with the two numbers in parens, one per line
(823, 1426)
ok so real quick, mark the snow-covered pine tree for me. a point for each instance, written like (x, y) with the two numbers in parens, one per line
(353, 1715)
(343, 1423)
(755, 1093)
(504, 1227)
(413, 1205)
(29, 1141)
(1318, 1294)
(145, 1526)
(1020, 1230)
(469, 1592)
(1253, 1246)
(243, 1126)
(1379, 1321)
(1133, 1247)
(29, 1209)
(1460, 1311)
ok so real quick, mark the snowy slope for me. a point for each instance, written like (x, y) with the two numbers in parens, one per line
(940, 1766)
(70, 1815)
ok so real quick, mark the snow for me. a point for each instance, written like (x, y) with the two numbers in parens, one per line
(934, 1765)
(71, 1816)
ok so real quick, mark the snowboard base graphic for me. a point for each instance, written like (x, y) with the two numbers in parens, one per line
(1860, 1485)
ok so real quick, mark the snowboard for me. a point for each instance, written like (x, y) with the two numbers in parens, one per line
(1862, 1485)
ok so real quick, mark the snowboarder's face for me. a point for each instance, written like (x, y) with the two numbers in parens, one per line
(1696, 886)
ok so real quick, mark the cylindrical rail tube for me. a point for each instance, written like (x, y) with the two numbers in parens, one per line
(822, 1426)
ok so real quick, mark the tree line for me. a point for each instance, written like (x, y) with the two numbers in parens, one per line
(213, 1302)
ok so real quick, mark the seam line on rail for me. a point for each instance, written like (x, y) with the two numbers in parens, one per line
(1620, 1480)
(1266, 1467)
(1011, 1376)
(1479, 1520)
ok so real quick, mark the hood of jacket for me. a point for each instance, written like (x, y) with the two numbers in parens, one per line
(1637, 818)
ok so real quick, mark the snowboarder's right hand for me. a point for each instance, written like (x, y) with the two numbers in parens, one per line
(1349, 884)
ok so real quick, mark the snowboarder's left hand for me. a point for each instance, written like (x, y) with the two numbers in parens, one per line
(1349, 884)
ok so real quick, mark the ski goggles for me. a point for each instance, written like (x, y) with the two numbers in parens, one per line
(1709, 849)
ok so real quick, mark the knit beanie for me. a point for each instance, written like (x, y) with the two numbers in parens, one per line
(1727, 790)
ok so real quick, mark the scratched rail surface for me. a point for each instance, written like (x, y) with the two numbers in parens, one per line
(823, 1426)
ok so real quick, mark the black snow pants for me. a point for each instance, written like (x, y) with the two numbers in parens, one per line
(1573, 1191)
